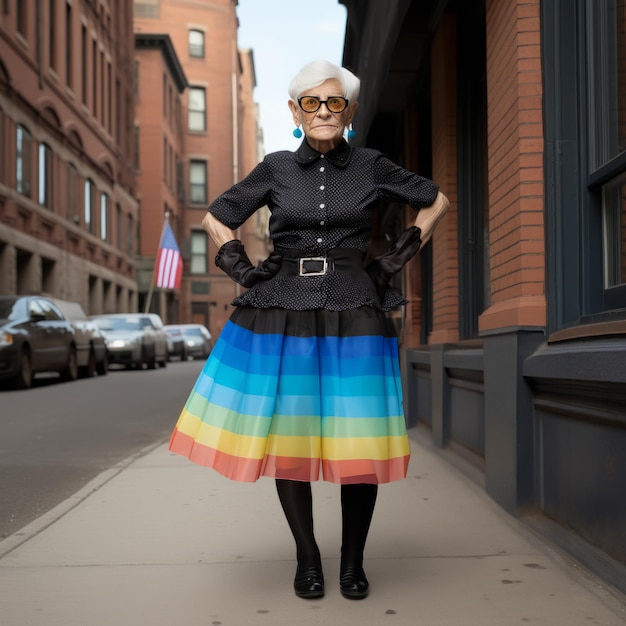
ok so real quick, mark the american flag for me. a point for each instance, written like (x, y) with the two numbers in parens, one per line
(169, 263)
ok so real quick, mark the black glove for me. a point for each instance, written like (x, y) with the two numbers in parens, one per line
(232, 259)
(381, 269)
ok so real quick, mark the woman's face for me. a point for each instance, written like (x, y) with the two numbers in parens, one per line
(323, 129)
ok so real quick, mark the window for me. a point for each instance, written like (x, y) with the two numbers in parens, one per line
(88, 205)
(23, 161)
(198, 182)
(130, 235)
(104, 217)
(614, 223)
(109, 124)
(21, 16)
(94, 77)
(197, 108)
(73, 194)
(118, 112)
(584, 61)
(136, 80)
(102, 94)
(165, 153)
(199, 252)
(2, 154)
(118, 227)
(196, 44)
(68, 45)
(165, 96)
(136, 147)
(45, 176)
(606, 45)
(83, 61)
(180, 182)
(52, 41)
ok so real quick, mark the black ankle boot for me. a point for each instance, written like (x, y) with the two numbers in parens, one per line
(353, 583)
(309, 582)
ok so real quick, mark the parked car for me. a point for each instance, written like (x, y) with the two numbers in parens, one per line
(198, 340)
(35, 337)
(133, 339)
(91, 348)
(176, 345)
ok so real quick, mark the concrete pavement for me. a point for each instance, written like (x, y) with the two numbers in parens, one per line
(159, 541)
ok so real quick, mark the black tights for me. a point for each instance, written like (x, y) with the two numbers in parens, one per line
(357, 507)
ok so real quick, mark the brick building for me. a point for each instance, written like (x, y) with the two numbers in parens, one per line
(515, 339)
(159, 155)
(220, 138)
(68, 214)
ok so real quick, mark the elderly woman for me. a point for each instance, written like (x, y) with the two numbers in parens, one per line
(305, 375)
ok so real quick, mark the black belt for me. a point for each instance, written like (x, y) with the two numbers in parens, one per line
(335, 260)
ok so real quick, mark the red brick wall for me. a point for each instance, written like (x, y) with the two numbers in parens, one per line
(445, 239)
(515, 164)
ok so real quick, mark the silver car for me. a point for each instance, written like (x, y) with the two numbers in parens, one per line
(91, 349)
(198, 340)
(134, 339)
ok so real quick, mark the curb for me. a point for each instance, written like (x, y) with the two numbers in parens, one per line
(46, 520)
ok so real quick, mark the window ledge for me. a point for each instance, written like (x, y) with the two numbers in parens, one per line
(588, 331)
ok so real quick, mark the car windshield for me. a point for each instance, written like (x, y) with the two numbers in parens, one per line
(11, 309)
(117, 323)
(193, 332)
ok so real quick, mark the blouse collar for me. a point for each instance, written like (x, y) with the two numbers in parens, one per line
(339, 156)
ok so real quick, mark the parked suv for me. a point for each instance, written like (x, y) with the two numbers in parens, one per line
(134, 339)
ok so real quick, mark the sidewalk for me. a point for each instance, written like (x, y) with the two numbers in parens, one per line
(159, 541)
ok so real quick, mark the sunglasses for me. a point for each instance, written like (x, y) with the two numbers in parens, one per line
(310, 104)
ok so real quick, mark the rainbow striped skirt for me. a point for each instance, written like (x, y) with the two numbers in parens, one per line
(288, 394)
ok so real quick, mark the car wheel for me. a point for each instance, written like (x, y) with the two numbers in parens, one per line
(149, 360)
(89, 371)
(103, 367)
(71, 370)
(24, 378)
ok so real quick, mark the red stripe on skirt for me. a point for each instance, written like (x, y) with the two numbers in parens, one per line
(345, 472)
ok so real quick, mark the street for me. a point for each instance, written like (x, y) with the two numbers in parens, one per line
(56, 437)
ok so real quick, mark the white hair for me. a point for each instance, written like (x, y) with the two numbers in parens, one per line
(315, 73)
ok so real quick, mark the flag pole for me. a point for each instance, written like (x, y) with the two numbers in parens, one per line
(156, 256)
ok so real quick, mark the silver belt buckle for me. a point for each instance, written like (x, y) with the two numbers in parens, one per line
(302, 271)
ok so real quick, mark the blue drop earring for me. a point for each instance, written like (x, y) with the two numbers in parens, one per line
(351, 133)
(297, 133)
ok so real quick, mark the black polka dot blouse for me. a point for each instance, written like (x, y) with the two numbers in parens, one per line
(319, 202)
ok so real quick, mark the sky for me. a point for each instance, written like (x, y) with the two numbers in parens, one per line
(284, 35)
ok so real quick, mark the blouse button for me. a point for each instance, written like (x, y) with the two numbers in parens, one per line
(321, 156)
(322, 187)
(322, 223)
(321, 169)
(322, 206)
(319, 240)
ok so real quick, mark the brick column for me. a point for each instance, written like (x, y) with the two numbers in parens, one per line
(516, 184)
(445, 239)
